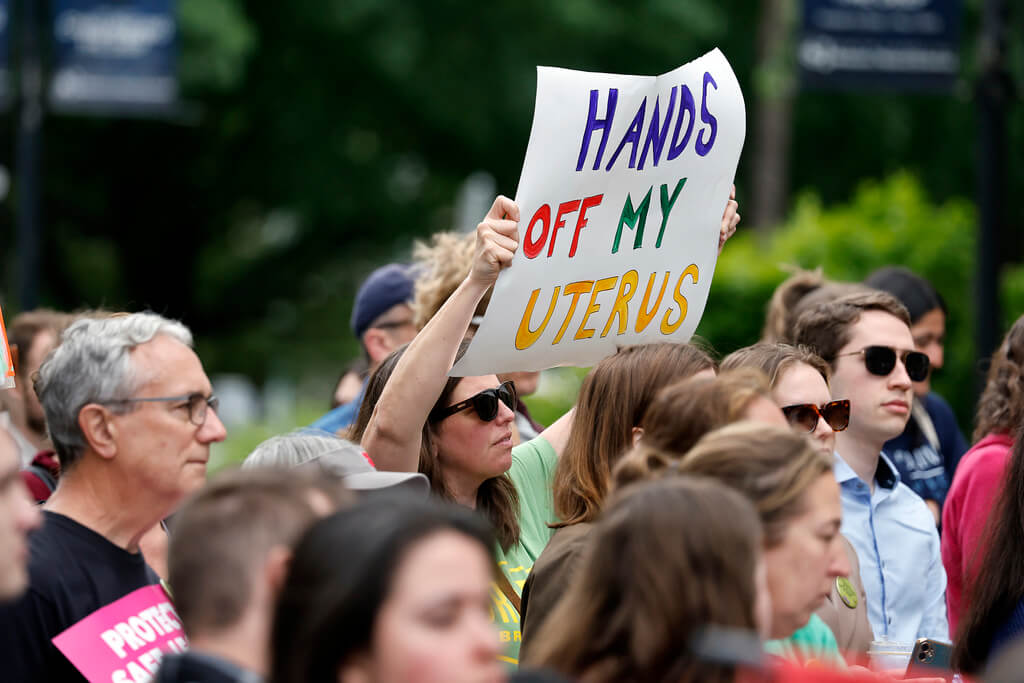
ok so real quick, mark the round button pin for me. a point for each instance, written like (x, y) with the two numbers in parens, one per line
(847, 592)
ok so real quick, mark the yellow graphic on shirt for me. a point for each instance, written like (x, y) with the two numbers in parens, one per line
(503, 612)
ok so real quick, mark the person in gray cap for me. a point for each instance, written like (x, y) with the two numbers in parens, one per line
(382, 320)
(338, 457)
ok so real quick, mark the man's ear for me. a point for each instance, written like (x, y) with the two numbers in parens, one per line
(377, 344)
(99, 430)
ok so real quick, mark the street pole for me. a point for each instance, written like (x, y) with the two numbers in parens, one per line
(27, 144)
(992, 95)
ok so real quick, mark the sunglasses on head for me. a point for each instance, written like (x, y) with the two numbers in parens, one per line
(881, 360)
(805, 415)
(485, 403)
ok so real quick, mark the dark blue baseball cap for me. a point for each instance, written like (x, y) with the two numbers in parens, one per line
(387, 286)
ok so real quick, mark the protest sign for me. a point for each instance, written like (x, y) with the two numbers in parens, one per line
(124, 641)
(621, 199)
(6, 363)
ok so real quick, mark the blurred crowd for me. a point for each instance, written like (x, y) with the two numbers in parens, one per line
(805, 508)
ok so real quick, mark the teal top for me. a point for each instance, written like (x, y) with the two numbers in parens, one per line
(814, 641)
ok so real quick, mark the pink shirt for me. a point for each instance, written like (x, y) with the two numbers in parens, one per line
(976, 485)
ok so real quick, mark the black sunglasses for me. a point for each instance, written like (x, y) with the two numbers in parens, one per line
(881, 360)
(805, 415)
(485, 403)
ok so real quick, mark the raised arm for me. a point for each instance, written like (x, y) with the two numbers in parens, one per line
(558, 433)
(393, 435)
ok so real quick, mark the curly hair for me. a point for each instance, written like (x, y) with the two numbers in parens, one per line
(443, 264)
(1001, 406)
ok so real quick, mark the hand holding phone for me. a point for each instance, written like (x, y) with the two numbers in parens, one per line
(930, 659)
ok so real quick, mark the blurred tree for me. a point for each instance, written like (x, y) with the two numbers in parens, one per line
(775, 87)
(326, 134)
(888, 222)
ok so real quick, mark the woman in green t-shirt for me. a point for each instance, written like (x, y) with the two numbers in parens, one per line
(458, 430)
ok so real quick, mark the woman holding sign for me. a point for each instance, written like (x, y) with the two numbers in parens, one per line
(458, 431)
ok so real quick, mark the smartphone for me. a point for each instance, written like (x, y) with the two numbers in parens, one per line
(930, 659)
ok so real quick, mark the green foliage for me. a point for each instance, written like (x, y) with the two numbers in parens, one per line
(217, 38)
(888, 222)
(243, 439)
(1012, 294)
(330, 133)
(556, 393)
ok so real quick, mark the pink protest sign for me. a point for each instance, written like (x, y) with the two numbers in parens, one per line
(124, 641)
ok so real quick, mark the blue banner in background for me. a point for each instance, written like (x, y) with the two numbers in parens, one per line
(5, 52)
(880, 44)
(114, 56)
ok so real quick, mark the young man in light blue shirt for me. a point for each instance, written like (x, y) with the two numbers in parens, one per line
(866, 339)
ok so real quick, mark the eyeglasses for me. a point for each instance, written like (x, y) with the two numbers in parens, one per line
(805, 415)
(881, 360)
(197, 404)
(485, 403)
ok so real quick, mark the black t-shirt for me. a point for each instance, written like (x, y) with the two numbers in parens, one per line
(73, 571)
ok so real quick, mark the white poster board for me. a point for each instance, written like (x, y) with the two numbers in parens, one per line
(621, 200)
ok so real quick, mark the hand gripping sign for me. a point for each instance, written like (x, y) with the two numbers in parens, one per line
(621, 197)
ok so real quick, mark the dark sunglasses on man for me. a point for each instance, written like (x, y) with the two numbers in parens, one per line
(485, 403)
(881, 360)
(805, 415)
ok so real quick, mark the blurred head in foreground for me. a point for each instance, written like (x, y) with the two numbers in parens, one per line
(230, 547)
(389, 590)
(667, 561)
(18, 516)
(791, 485)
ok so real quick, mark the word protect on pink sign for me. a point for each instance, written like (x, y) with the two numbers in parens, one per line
(124, 641)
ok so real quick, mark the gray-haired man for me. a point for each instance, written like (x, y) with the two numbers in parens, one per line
(132, 416)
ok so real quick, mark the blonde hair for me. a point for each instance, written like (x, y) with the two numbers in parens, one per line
(1001, 406)
(801, 291)
(772, 466)
(775, 359)
(443, 264)
(779, 316)
(686, 410)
